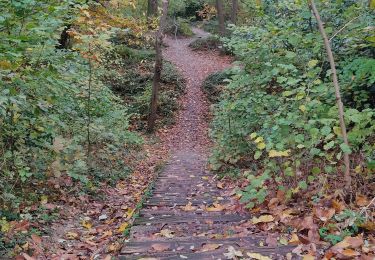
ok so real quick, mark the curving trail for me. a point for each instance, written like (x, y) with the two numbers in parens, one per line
(190, 215)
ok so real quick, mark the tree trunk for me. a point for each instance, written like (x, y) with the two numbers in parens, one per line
(158, 69)
(152, 8)
(234, 11)
(220, 16)
(327, 45)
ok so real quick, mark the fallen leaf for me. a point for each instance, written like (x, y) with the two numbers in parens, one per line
(294, 240)
(27, 257)
(324, 214)
(233, 253)
(167, 233)
(216, 207)
(106, 234)
(160, 247)
(350, 252)
(220, 185)
(308, 257)
(338, 206)
(123, 227)
(210, 247)
(188, 207)
(353, 242)
(36, 239)
(361, 201)
(271, 240)
(258, 256)
(71, 235)
(86, 224)
(263, 219)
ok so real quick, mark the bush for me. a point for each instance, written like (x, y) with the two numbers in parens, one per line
(214, 84)
(204, 44)
(180, 27)
(277, 119)
(130, 73)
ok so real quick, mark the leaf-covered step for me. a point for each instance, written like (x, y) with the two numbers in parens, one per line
(189, 218)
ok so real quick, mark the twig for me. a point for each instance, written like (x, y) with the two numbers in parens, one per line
(342, 28)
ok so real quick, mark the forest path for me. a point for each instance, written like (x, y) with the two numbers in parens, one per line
(190, 215)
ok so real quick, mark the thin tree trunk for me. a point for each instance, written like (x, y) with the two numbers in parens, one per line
(234, 11)
(152, 8)
(158, 69)
(220, 16)
(327, 45)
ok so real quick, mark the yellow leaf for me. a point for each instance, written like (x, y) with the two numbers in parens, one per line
(261, 146)
(5, 225)
(86, 224)
(274, 153)
(71, 235)
(312, 63)
(337, 130)
(5, 65)
(294, 240)
(308, 257)
(302, 108)
(167, 233)
(216, 207)
(188, 207)
(258, 256)
(259, 139)
(123, 226)
(44, 199)
(253, 135)
(263, 219)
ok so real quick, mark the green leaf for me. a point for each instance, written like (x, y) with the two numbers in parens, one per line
(345, 148)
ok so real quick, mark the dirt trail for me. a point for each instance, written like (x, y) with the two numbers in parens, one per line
(190, 215)
(190, 131)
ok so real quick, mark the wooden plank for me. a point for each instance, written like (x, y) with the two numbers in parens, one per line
(190, 219)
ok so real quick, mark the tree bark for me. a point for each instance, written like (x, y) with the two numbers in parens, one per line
(157, 70)
(220, 16)
(340, 105)
(234, 11)
(152, 8)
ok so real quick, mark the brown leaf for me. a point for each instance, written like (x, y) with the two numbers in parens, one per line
(294, 240)
(209, 247)
(361, 201)
(188, 207)
(350, 252)
(324, 214)
(348, 242)
(271, 240)
(27, 257)
(263, 219)
(160, 247)
(220, 185)
(338, 206)
(216, 207)
(36, 239)
(71, 235)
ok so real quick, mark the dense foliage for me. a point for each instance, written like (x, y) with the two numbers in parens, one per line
(58, 117)
(277, 119)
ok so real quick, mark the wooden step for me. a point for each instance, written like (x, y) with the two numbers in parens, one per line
(190, 218)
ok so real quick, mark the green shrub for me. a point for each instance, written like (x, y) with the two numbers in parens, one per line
(277, 119)
(213, 85)
(178, 27)
(204, 44)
